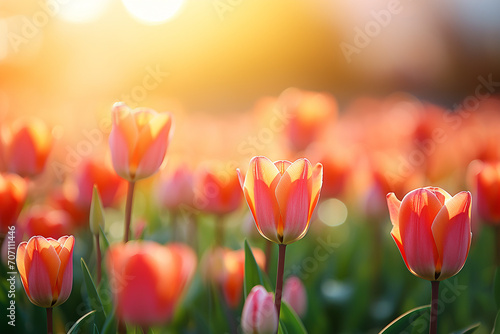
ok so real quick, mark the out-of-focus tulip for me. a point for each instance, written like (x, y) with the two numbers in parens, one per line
(432, 231)
(138, 141)
(27, 146)
(46, 221)
(176, 189)
(46, 269)
(217, 193)
(65, 198)
(94, 172)
(148, 279)
(485, 181)
(282, 196)
(13, 191)
(96, 217)
(308, 112)
(294, 293)
(233, 273)
(259, 314)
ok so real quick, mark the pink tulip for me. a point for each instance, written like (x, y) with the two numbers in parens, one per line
(138, 141)
(46, 269)
(27, 147)
(294, 293)
(282, 196)
(259, 313)
(432, 231)
(148, 279)
(176, 190)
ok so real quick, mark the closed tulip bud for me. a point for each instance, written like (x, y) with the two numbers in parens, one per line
(282, 196)
(46, 269)
(96, 218)
(27, 147)
(294, 293)
(138, 140)
(259, 313)
(13, 191)
(432, 230)
(148, 279)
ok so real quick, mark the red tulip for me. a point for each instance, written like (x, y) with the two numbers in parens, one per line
(486, 184)
(109, 184)
(46, 221)
(282, 196)
(27, 147)
(217, 193)
(13, 191)
(148, 279)
(46, 269)
(294, 293)
(259, 314)
(432, 231)
(138, 141)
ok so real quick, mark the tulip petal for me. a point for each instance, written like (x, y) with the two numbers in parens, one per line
(65, 275)
(452, 233)
(259, 190)
(20, 256)
(442, 195)
(294, 199)
(418, 210)
(152, 145)
(282, 165)
(42, 276)
(120, 155)
(317, 183)
(394, 205)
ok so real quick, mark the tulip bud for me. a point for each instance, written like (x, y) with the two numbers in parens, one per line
(96, 218)
(294, 293)
(46, 269)
(259, 313)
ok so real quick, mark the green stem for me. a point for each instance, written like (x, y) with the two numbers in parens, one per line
(98, 253)
(145, 329)
(434, 307)
(279, 278)
(497, 245)
(49, 320)
(219, 230)
(128, 209)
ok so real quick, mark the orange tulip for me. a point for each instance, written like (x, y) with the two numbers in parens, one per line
(233, 274)
(282, 196)
(148, 279)
(486, 184)
(27, 147)
(46, 269)
(432, 231)
(217, 193)
(138, 141)
(13, 191)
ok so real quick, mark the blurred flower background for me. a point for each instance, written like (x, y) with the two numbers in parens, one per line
(387, 95)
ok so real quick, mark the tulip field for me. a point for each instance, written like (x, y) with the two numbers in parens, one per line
(249, 167)
(335, 236)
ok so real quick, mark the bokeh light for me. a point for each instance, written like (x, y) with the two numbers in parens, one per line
(153, 11)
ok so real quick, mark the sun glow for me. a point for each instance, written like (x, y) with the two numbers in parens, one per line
(153, 11)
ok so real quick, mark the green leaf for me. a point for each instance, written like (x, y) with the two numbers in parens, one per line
(496, 288)
(405, 321)
(104, 240)
(110, 324)
(496, 327)
(253, 274)
(96, 331)
(95, 300)
(290, 321)
(469, 330)
(76, 327)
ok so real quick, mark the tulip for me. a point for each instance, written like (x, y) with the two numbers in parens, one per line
(26, 147)
(148, 279)
(294, 293)
(47, 221)
(486, 183)
(176, 190)
(138, 140)
(259, 315)
(432, 230)
(46, 269)
(233, 274)
(282, 197)
(95, 172)
(13, 191)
